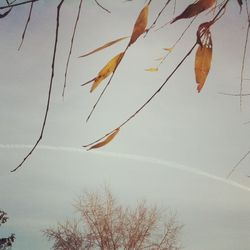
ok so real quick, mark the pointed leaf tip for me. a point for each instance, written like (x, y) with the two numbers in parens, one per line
(107, 140)
(140, 25)
(195, 9)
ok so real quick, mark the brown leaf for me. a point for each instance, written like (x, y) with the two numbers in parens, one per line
(104, 46)
(107, 70)
(203, 60)
(195, 9)
(140, 25)
(106, 141)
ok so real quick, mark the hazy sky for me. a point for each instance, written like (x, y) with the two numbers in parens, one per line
(176, 153)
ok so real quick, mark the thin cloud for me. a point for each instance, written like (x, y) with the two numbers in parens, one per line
(138, 158)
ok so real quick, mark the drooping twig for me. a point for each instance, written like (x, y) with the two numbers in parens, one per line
(102, 7)
(244, 55)
(17, 4)
(106, 86)
(71, 46)
(160, 88)
(50, 87)
(158, 16)
(26, 25)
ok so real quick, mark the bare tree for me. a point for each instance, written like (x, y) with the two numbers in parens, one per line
(5, 243)
(105, 224)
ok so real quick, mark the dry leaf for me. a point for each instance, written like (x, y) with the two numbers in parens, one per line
(106, 141)
(104, 46)
(195, 9)
(168, 49)
(107, 70)
(152, 69)
(140, 25)
(203, 60)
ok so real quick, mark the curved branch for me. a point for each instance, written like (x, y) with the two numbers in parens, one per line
(50, 88)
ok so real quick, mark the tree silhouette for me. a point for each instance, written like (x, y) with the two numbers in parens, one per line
(104, 224)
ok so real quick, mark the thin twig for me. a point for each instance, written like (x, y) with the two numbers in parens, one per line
(17, 4)
(26, 25)
(244, 55)
(102, 7)
(106, 86)
(50, 87)
(158, 16)
(177, 41)
(237, 164)
(71, 46)
(160, 88)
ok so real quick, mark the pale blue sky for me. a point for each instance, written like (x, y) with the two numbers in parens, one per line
(203, 132)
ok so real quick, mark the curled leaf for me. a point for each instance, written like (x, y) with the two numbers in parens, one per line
(107, 70)
(203, 59)
(106, 141)
(152, 69)
(104, 46)
(195, 9)
(140, 25)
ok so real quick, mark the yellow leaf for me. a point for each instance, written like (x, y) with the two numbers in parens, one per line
(152, 69)
(203, 60)
(104, 46)
(106, 141)
(168, 49)
(140, 25)
(107, 70)
(195, 9)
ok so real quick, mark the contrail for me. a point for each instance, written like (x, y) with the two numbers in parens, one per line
(138, 158)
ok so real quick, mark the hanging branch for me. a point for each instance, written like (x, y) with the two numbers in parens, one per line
(162, 85)
(244, 55)
(26, 25)
(17, 4)
(102, 7)
(158, 16)
(5, 13)
(50, 87)
(71, 46)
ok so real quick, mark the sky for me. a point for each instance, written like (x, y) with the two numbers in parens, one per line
(176, 153)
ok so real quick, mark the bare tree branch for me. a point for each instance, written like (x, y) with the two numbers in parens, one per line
(50, 87)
